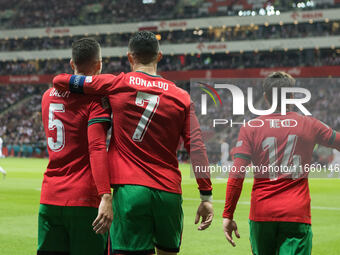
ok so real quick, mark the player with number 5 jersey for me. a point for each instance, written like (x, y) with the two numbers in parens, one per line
(76, 180)
(150, 115)
(67, 117)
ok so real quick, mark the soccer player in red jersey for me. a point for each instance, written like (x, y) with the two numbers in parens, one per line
(150, 115)
(72, 188)
(280, 213)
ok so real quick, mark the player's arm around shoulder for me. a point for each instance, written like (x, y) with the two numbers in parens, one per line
(101, 84)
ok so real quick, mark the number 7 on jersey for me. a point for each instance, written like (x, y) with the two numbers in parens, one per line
(152, 104)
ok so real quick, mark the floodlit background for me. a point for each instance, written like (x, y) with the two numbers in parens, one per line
(203, 39)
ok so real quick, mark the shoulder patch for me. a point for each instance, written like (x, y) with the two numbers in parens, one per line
(239, 143)
(88, 79)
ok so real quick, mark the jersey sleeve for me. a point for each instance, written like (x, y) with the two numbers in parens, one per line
(100, 111)
(234, 187)
(98, 124)
(102, 84)
(324, 135)
(194, 145)
(243, 148)
(98, 157)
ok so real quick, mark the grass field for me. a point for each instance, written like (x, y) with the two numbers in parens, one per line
(19, 202)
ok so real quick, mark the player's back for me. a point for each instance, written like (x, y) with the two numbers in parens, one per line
(68, 180)
(285, 143)
(150, 114)
(288, 135)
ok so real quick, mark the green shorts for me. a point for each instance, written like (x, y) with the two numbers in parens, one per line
(67, 230)
(145, 218)
(280, 238)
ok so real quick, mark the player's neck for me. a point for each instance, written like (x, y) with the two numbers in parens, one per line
(149, 69)
(85, 72)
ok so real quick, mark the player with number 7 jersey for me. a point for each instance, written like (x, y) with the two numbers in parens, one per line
(150, 115)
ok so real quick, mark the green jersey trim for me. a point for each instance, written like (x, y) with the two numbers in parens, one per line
(148, 74)
(243, 156)
(98, 120)
(332, 139)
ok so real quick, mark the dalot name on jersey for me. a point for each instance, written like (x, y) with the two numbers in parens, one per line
(144, 83)
(56, 93)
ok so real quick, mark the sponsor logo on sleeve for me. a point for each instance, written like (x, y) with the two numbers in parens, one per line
(88, 79)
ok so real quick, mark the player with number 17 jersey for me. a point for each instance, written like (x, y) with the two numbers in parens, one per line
(147, 111)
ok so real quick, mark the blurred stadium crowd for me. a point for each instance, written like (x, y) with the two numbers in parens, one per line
(327, 57)
(36, 13)
(20, 119)
(217, 34)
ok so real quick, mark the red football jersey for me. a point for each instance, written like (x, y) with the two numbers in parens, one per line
(150, 114)
(68, 180)
(282, 196)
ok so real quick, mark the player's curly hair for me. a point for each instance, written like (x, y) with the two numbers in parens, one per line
(144, 46)
(277, 80)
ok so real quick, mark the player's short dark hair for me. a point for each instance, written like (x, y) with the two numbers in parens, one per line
(85, 50)
(144, 46)
(277, 80)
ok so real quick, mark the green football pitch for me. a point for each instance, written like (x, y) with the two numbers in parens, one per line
(19, 202)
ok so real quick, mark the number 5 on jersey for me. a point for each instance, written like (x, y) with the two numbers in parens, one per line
(53, 123)
(152, 104)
